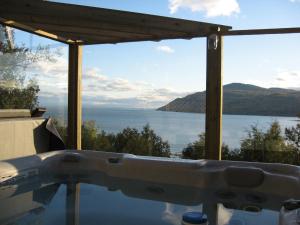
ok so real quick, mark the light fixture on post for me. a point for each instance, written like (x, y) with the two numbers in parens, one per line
(213, 40)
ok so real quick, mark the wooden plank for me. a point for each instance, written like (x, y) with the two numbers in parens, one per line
(81, 14)
(104, 29)
(214, 101)
(91, 36)
(35, 31)
(75, 22)
(74, 97)
(93, 39)
(68, 23)
(263, 31)
(87, 38)
(94, 42)
(59, 28)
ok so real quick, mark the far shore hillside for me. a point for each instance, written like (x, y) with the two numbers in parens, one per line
(243, 99)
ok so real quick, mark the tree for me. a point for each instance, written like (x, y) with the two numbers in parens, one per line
(274, 141)
(271, 140)
(196, 150)
(146, 142)
(16, 89)
(254, 140)
(269, 146)
(129, 140)
(20, 98)
(95, 139)
(293, 136)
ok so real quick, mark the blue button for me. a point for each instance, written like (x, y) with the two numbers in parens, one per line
(194, 217)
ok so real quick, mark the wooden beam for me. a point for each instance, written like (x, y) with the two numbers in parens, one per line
(81, 25)
(97, 41)
(95, 31)
(86, 13)
(94, 39)
(70, 19)
(214, 99)
(68, 30)
(74, 97)
(263, 31)
(42, 33)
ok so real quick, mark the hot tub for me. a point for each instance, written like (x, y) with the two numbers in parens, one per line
(89, 187)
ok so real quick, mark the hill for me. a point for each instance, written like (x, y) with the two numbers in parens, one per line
(243, 99)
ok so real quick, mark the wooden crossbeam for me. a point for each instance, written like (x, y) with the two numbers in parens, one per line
(40, 32)
(82, 13)
(66, 22)
(262, 31)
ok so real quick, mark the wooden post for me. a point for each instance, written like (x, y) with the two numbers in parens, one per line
(74, 97)
(214, 98)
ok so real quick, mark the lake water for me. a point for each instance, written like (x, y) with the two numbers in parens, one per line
(178, 128)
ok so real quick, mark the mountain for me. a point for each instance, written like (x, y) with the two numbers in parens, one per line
(243, 99)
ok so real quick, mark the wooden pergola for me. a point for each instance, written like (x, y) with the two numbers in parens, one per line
(77, 25)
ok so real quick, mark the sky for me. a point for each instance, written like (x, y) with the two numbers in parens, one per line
(150, 74)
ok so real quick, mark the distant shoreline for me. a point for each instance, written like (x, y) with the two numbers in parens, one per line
(229, 114)
(243, 99)
(155, 109)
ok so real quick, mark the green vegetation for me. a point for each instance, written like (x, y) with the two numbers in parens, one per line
(17, 91)
(243, 99)
(271, 140)
(196, 150)
(292, 136)
(19, 98)
(258, 146)
(129, 140)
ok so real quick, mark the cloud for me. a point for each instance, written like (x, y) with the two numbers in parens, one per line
(57, 68)
(51, 76)
(287, 79)
(211, 8)
(94, 74)
(165, 48)
(294, 1)
(162, 94)
(282, 78)
(99, 89)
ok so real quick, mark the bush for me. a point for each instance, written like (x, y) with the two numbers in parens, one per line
(271, 140)
(19, 98)
(196, 150)
(258, 146)
(292, 136)
(130, 140)
(146, 142)
(287, 156)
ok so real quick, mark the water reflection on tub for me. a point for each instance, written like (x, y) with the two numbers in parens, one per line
(137, 203)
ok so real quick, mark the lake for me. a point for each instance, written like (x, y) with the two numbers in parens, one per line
(178, 128)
